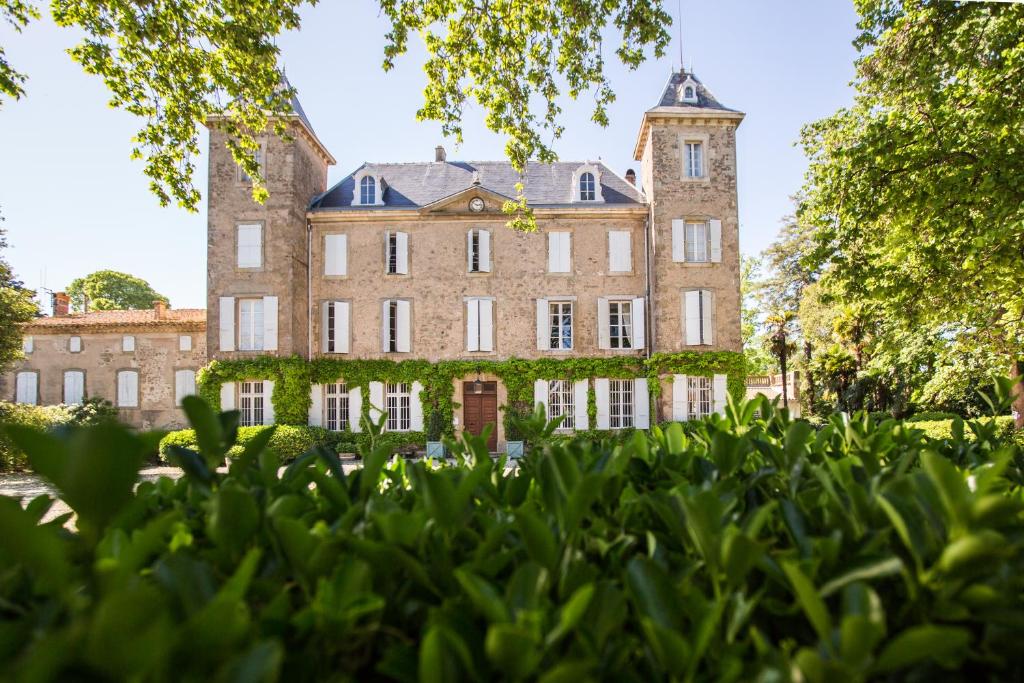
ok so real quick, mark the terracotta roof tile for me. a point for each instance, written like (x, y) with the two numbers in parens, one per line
(172, 317)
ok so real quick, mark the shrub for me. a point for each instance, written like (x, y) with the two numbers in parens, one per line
(931, 416)
(943, 429)
(38, 417)
(750, 549)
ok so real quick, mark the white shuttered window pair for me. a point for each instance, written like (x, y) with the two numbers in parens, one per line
(335, 255)
(334, 327)
(478, 251)
(184, 384)
(620, 323)
(257, 324)
(250, 245)
(254, 402)
(396, 253)
(620, 252)
(554, 325)
(479, 324)
(395, 329)
(622, 403)
(74, 387)
(696, 241)
(699, 317)
(128, 389)
(559, 252)
(335, 407)
(562, 397)
(26, 388)
(695, 397)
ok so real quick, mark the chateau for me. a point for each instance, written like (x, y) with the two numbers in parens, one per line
(412, 263)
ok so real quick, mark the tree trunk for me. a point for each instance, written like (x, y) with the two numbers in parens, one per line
(1017, 373)
(782, 365)
(810, 375)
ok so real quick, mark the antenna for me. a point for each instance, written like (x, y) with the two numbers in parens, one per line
(679, 5)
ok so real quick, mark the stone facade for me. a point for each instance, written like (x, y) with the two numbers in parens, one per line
(156, 357)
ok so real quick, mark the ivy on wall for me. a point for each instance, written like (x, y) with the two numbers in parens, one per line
(293, 377)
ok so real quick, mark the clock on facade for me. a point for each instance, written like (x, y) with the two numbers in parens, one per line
(476, 204)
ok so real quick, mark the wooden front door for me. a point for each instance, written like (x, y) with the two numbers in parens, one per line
(479, 410)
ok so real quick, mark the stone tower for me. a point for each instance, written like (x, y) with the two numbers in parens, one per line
(687, 150)
(257, 255)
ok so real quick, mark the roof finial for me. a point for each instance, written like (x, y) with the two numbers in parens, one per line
(680, 13)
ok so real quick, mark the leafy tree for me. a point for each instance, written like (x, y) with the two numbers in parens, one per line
(17, 306)
(178, 64)
(108, 290)
(759, 361)
(919, 185)
(779, 325)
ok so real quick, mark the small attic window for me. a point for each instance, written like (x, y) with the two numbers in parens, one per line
(586, 184)
(367, 190)
(689, 93)
(688, 90)
(587, 187)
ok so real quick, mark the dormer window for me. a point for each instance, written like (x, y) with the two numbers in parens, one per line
(587, 187)
(688, 90)
(688, 94)
(368, 190)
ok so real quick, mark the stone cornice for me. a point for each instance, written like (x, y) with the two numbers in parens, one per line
(327, 216)
(672, 115)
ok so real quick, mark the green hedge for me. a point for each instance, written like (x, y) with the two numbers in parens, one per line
(943, 429)
(38, 417)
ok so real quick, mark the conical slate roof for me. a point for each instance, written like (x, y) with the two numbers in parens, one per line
(672, 96)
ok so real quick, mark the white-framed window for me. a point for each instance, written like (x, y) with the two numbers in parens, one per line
(250, 245)
(26, 387)
(620, 251)
(479, 324)
(251, 403)
(689, 93)
(396, 253)
(398, 398)
(336, 255)
(74, 387)
(699, 397)
(127, 388)
(696, 240)
(336, 414)
(478, 251)
(396, 326)
(620, 403)
(368, 190)
(620, 324)
(185, 342)
(27, 344)
(560, 325)
(128, 343)
(693, 160)
(75, 344)
(250, 324)
(587, 187)
(561, 402)
(184, 384)
(335, 326)
(699, 316)
(559, 252)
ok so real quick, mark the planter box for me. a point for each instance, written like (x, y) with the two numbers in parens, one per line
(514, 449)
(435, 449)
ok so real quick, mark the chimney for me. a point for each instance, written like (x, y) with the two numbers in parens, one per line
(61, 304)
(439, 154)
(160, 307)
(630, 176)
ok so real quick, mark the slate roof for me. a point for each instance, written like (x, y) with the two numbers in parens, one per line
(672, 96)
(297, 106)
(171, 317)
(412, 185)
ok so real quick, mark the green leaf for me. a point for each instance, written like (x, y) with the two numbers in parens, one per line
(38, 548)
(653, 593)
(945, 644)
(512, 649)
(874, 570)
(539, 541)
(810, 601)
(483, 595)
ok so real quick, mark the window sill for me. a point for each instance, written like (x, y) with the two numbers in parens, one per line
(697, 264)
(701, 180)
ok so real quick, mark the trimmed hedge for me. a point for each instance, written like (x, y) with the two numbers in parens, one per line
(943, 429)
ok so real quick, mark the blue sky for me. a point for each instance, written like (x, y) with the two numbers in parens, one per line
(74, 202)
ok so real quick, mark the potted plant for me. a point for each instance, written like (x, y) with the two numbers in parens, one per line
(514, 445)
(435, 427)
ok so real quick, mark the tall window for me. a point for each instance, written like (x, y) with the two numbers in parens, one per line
(184, 384)
(367, 190)
(250, 324)
(560, 402)
(336, 407)
(620, 403)
(620, 321)
(560, 316)
(332, 327)
(250, 245)
(128, 389)
(696, 240)
(26, 388)
(587, 190)
(250, 402)
(392, 326)
(74, 387)
(392, 252)
(698, 397)
(694, 161)
(398, 402)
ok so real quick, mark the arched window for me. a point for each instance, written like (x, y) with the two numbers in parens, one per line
(688, 93)
(367, 190)
(587, 193)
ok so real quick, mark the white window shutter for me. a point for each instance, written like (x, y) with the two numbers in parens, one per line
(469, 251)
(719, 393)
(355, 409)
(565, 253)
(581, 419)
(385, 326)
(543, 333)
(402, 258)
(680, 392)
(715, 237)
(128, 389)
(74, 388)
(75, 344)
(316, 405)
(540, 394)
(250, 246)
(179, 387)
(404, 326)
(185, 342)
(553, 259)
(376, 401)
(485, 251)
(641, 404)
(128, 343)
(268, 402)
(678, 240)
(27, 344)
(227, 323)
(184, 384)
(227, 396)
(603, 325)
(486, 325)
(691, 314)
(270, 323)
(709, 316)
(27, 388)
(473, 325)
(620, 253)
(336, 255)
(639, 333)
(416, 408)
(602, 392)
(342, 333)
